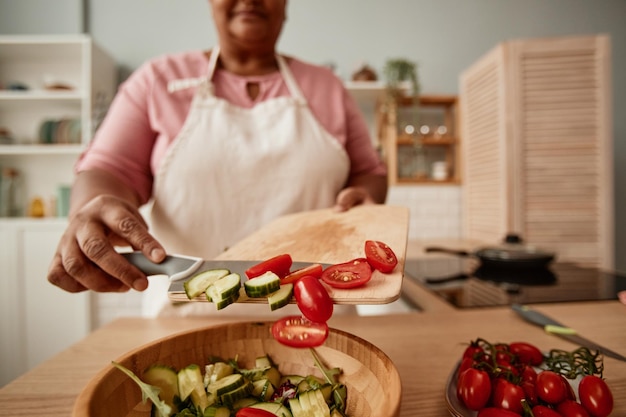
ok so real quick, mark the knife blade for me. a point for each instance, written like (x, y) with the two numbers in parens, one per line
(556, 328)
(180, 267)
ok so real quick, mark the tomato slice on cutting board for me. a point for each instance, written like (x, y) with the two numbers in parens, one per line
(280, 265)
(299, 332)
(314, 270)
(380, 256)
(350, 274)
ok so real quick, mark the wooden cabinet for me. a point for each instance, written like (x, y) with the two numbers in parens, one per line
(537, 146)
(419, 140)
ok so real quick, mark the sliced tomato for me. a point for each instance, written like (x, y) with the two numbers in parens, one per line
(314, 270)
(280, 265)
(253, 412)
(299, 332)
(380, 256)
(313, 299)
(350, 274)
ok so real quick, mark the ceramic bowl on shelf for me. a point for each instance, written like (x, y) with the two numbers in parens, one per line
(372, 381)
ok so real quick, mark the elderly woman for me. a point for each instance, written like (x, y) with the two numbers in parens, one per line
(214, 144)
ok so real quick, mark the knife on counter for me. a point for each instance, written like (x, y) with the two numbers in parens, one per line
(554, 327)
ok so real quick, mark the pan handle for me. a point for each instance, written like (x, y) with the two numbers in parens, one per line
(458, 252)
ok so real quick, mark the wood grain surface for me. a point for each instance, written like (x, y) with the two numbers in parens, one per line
(327, 236)
(424, 347)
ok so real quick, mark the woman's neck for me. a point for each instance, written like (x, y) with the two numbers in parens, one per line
(247, 63)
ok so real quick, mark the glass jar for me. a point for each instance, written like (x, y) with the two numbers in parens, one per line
(9, 193)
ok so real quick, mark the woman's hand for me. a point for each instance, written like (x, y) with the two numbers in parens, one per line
(363, 189)
(86, 258)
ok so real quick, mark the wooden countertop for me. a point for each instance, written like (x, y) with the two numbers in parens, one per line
(424, 347)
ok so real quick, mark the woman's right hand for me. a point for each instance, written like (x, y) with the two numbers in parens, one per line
(86, 258)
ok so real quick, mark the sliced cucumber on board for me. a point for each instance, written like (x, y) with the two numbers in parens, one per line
(200, 282)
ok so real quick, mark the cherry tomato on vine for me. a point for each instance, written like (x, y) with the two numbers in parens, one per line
(550, 387)
(253, 412)
(380, 256)
(508, 396)
(350, 274)
(496, 412)
(473, 351)
(300, 332)
(594, 394)
(313, 299)
(543, 411)
(280, 265)
(570, 408)
(527, 353)
(529, 374)
(474, 388)
(313, 270)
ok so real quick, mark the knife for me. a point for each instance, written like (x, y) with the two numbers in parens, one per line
(554, 327)
(181, 267)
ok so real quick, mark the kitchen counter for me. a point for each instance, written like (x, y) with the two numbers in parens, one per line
(424, 346)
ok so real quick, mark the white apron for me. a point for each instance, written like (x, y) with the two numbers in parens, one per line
(230, 171)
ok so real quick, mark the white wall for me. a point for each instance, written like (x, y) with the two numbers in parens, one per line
(442, 36)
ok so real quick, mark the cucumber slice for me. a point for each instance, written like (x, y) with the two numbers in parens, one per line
(215, 371)
(190, 383)
(217, 412)
(263, 362)
(263, 285)
(262, 389)
(242, 403)
(227, 384)
(276, 408)
(166, 378)
(280, 298)
(231, 397)
(228, 285)
(200, 282)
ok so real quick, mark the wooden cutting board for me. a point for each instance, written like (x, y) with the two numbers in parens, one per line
(327, 236)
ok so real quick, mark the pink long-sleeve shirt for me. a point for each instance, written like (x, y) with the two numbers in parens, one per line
(145, 118)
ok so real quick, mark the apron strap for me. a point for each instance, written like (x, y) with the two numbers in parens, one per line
(290, 81)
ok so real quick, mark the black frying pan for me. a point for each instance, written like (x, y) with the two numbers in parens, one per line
(511, 254)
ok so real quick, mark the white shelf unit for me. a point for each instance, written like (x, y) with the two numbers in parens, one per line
(40, 62)
(38, 319)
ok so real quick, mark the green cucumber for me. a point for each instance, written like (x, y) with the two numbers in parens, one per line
(217, 412)
(263, 362)
(200, 282)
(166, 378)
(190, 383)
(280, 298)
(228, 285)
(262, 389)
(244, 402)
(226, 384)
(215, 371)
(263, 285)
(231, 397)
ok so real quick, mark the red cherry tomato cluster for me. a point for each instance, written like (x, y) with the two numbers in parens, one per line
(517, 379)
(312, 297)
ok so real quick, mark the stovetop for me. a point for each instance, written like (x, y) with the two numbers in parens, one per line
(464, 283)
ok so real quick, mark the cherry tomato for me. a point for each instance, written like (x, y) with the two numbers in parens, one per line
(530, 392)
(313, 270)
(508, 396)
(543, 411)
(594, 394)
(529, 374)
(550, 387)
(570, 408)
(313, 299)
(474, 388)
(300, 332)
(350, 274)
(280, 265)
(496, 412)
(380, 256)
(466, 363)
(528, 354)
(253, 412)
(473, 351)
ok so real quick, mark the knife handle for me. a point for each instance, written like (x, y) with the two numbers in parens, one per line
(176, 267)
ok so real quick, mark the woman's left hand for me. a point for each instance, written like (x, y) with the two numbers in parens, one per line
(352, 196)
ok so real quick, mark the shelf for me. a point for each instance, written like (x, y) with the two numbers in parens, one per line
(36, 95)
(407, 140)
(52, 149)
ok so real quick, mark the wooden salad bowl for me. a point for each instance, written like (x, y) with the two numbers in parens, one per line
(372, 380)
